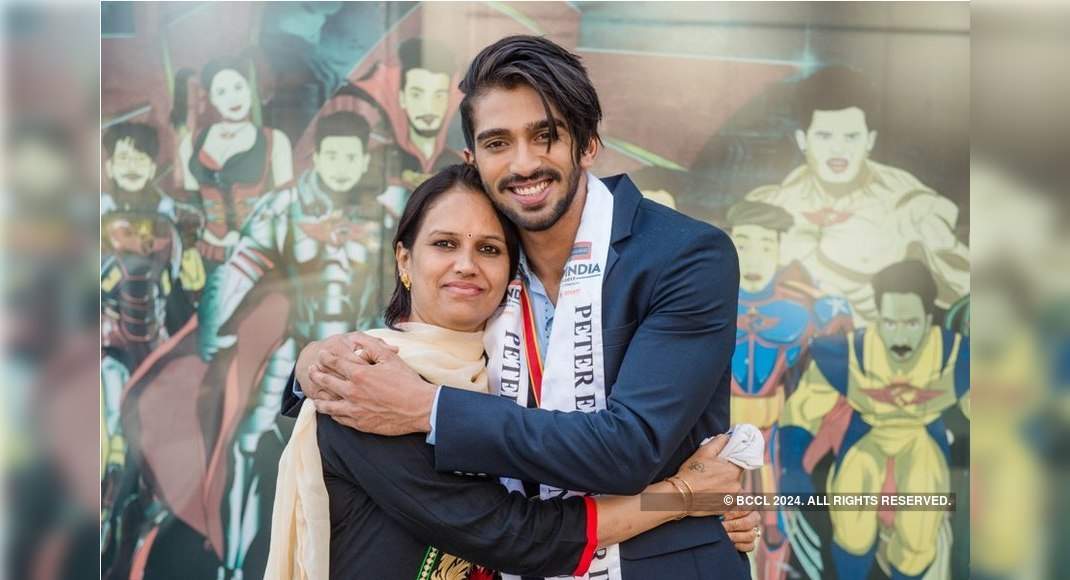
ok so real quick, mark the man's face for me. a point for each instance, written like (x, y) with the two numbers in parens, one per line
(529, 177)
(903, 324)
(759, 256)
(837, 143)
(130, 169)
(424, 98)
(340, 162)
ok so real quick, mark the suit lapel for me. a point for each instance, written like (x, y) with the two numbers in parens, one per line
(626, 199)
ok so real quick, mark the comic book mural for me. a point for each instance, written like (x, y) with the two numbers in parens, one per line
(256, 157)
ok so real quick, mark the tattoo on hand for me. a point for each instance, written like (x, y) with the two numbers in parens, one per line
(696, 466)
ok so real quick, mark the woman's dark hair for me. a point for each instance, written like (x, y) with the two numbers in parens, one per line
(459, 175)
(557, 75)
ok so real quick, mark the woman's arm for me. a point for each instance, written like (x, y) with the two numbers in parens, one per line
(621, 518)
(476, 518)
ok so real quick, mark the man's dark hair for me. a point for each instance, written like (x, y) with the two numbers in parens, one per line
(906, 277)
(343, 124)
(834, 89)
(426, 54)
(757, 213)
(143, 136)
(556, 74)
(423, 197)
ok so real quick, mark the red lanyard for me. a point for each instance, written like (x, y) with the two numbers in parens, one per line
(531, 346)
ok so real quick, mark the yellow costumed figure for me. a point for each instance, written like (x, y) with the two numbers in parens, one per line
(877, 397)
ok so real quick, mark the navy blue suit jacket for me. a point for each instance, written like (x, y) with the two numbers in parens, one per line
(669, 323)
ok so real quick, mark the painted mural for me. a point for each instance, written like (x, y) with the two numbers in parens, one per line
(256, 157)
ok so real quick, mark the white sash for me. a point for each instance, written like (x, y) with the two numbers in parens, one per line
(573, 370)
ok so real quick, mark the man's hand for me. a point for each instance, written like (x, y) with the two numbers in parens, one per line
(742, 528)
(361, 382)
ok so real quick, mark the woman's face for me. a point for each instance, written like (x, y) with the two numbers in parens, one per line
(458, 264)
(230, 95)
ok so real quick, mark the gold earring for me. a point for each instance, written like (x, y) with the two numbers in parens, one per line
(405, 281)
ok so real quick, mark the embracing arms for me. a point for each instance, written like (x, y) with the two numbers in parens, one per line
(479, 520)
(671, 367)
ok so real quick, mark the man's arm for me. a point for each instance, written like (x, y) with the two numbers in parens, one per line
(678, 354)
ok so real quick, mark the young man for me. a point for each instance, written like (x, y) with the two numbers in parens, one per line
(854, 216)
(877, 396)
(780, 312)
(624, 312)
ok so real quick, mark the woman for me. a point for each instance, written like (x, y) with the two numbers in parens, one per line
(232, 162)
(390, 514)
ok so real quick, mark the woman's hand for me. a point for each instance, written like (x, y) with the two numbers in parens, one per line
(709, 475)
(742, 528)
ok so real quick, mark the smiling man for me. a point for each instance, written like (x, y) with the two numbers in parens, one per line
(854, 216)
(611, 357)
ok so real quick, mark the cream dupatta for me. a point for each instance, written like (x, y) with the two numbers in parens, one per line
(300, 520)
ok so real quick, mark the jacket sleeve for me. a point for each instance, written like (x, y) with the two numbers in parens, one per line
(679, 352)
(291, 401)
(472, 517)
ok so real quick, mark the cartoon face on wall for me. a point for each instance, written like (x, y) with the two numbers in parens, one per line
(836, 144)
(128, 167)
(903, 324)
(340, 162)
(425, 96)
(759, 255)
(230, 94)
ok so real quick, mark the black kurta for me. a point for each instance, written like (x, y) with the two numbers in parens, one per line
(388, 505)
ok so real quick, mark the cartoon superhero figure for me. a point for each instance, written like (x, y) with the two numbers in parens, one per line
(854, 216)
(140, 266)
(318, 235)
(228, 165)
(300, 272)
(876, 397)
(779, 313)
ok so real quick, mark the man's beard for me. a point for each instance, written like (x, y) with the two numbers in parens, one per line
(534, 224)
(424, 133)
